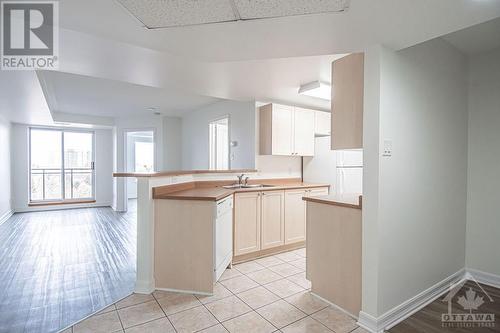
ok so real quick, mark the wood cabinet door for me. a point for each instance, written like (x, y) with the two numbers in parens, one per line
(247, 221)
(303, 132)
(347, 102)
(272, 223)
(295, 216)
(282, 130)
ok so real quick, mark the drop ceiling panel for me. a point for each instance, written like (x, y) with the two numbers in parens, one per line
(171, 13)
(256, 9)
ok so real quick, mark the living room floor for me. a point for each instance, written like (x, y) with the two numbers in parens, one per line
(58, 267)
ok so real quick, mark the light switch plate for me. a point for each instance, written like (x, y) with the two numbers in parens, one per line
(387, 148)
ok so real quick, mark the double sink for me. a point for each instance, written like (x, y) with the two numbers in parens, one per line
(247, 186)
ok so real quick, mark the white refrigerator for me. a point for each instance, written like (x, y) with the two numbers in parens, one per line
(342, 169)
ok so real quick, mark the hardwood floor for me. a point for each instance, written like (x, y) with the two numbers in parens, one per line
(58, 267)
(428, 320)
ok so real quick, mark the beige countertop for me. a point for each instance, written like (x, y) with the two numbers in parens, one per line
(346, 200)
(214, 193)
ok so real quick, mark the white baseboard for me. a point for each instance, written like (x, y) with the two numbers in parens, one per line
(484, 277)
(60, 207)
(409, 307)
(182, 291)
(6, 216)
(144, 286)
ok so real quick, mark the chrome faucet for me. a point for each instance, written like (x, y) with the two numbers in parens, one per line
(240, 179)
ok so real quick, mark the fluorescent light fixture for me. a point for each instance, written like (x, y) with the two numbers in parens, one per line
(317, 89)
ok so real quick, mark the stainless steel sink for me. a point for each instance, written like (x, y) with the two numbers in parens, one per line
(247, 186)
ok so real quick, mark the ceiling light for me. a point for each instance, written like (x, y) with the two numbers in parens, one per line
(317, 89)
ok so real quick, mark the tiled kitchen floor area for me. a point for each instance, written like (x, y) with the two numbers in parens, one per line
(265, 295)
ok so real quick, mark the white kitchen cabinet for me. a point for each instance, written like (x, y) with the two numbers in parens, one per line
(322, 123)
(286, 130)
(247, 222)
(272, 223)
(295, 216)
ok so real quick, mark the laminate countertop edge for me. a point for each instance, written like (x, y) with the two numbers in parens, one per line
(351, 201)
(180, 173)
(203, 194)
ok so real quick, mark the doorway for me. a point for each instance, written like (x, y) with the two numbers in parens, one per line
(139, 157)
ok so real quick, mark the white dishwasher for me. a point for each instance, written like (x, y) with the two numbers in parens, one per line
(223, 236)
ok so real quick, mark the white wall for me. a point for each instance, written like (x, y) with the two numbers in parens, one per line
(172, 142)
(20, 167)
(5, 170)
(483, 212)
(414, 201)
(195, 153)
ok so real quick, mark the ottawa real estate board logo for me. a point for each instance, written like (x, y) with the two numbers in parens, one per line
(466, 304)
(30, 35)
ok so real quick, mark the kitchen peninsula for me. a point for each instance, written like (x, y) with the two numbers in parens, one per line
(182, 228)
(334, 249)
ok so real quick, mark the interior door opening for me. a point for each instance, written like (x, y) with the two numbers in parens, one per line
(140, 157)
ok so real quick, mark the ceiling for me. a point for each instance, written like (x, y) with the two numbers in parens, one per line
(394, 23)
(78, 94)
(477, 39)
(175, 13)
(110, 64)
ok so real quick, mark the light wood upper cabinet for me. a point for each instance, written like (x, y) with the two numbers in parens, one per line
(272, 224)
(282, 130)
(303, 130)
(247, 222)
(322, 123)
(286, 130)
(295, 216)
(347, 102)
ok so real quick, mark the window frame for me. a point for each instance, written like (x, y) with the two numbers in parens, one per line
(63, 167)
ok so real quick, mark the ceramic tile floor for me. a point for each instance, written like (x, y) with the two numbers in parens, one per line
(265, 295)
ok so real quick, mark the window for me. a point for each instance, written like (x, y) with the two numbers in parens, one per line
(219, 144)
(61, 165)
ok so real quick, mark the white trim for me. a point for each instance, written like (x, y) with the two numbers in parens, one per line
(144, 287)
(369, 323)
(334, 305)
(6, 216)
(181, 291)
(404, 310)
(484, 277)
(63, 206)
